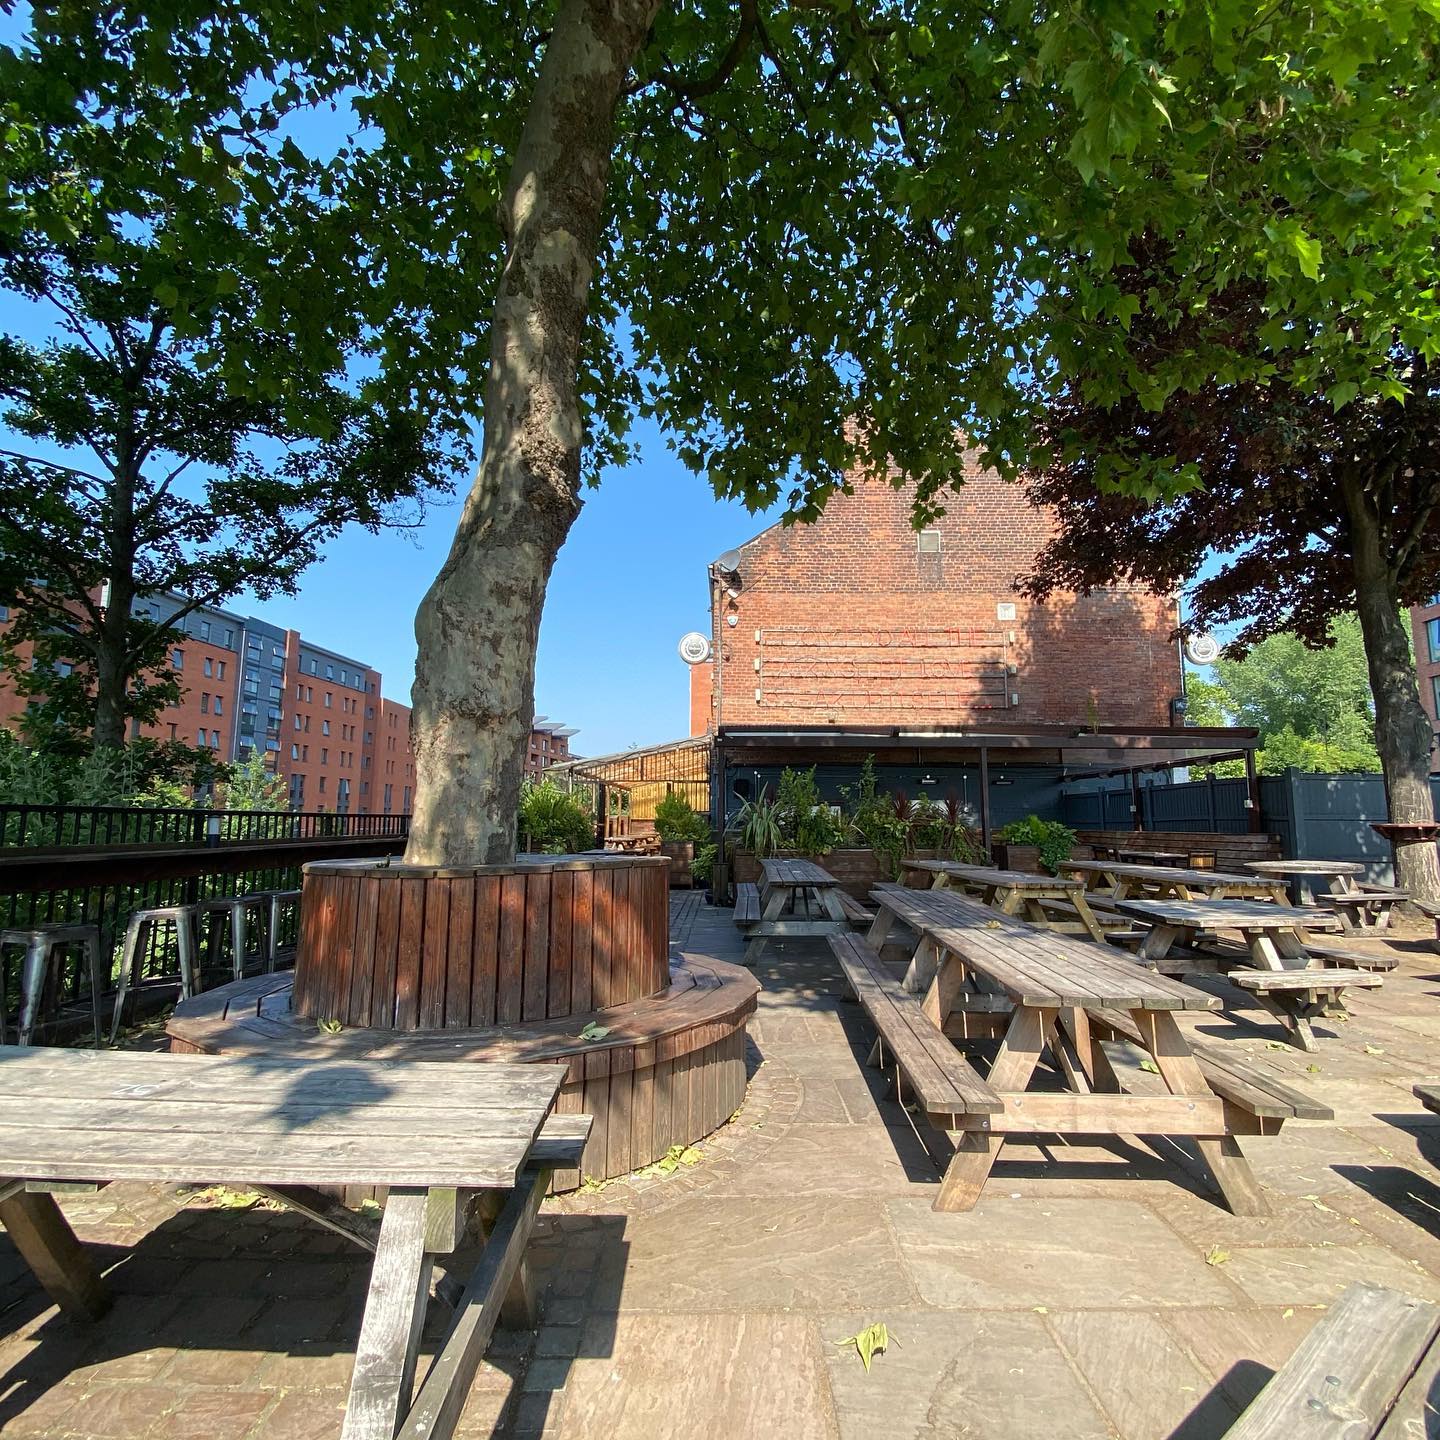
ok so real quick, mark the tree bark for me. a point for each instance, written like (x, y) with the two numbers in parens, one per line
(1402, 728)
(477, 628)
(112, 670)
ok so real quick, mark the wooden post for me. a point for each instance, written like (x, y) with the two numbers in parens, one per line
(985, 802)
(1252, 790)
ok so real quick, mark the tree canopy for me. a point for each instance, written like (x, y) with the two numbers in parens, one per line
(799, 237)
(1312, 707)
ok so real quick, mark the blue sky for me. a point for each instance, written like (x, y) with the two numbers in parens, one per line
(628, 584)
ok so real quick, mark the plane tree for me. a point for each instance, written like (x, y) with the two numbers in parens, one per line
(800, 237)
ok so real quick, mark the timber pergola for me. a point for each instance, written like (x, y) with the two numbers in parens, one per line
(1103, 750)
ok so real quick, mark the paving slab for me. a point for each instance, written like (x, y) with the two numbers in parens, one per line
(707, 1376)
(953, 1374)
(1318, 1274)
(836, 1160)
(1016, 1254)
(1146, 1383)
(1242, 1348)
(780, 1252)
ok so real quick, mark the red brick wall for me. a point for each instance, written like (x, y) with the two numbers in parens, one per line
(394, 760)
(1427, 669)
(851, 623)
(702, 698)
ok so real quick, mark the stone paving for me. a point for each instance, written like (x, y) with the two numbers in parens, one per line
(1095, 1291)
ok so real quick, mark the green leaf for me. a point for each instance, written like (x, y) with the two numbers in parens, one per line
(1342, 394)
(871, 1341)
(593, 1032)
(166, 294)
(330, 1027)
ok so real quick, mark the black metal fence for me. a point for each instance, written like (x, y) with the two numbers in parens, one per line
(60, 826)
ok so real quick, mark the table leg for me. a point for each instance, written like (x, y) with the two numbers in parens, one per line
(1007, 901)
(949, 981)
(48, 1246)
(384, 1377)
(1087, 915)
(880, 928)
(830, 903)
(1158, 942)
(1182, 1075)
(773, 907)
(977, 1150)
(923, 965)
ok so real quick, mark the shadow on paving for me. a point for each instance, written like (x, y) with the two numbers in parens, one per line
(269, 1301)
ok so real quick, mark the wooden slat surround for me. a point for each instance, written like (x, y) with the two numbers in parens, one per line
(405, 947)
(671, 1069)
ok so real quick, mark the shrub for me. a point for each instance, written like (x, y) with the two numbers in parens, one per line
(1054, 840)
(677, 820)
(759, 826)
(554, 822)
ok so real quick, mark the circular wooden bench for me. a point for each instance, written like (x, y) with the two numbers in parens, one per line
(669, 1069)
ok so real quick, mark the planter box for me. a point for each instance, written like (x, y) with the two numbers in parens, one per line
(859, 871)
(1024, 858)
(680, 854)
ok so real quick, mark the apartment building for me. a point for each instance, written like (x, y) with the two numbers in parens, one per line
(1425, 628)
(549, 745)
(249, 687)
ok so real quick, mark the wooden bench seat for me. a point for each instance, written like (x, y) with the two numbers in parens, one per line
(747, 904)
(1328, 978)
(1235, 1079)
(1367, 1369)
(1329, 953)
(941, 1078)
(855, 912)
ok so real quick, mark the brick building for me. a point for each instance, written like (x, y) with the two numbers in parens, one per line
(858, 638)
(318, 717)
(858, 618)
(1425, 625)
(549, 745)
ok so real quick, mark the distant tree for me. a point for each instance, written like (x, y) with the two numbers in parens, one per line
(252, 785)
(1316, 503)
(193, 417)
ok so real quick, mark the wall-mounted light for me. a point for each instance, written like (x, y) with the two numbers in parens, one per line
(1002, 780)
(927, 779)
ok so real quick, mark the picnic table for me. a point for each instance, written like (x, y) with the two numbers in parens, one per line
(1368, 1370)
(1056, 901)
(1063, 996)
(1287, 979)
(1122, 881)
(794, 898)
(1131, 855)
(440, 1136)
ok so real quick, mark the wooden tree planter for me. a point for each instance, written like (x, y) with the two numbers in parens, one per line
(507, 963)
(403, 947)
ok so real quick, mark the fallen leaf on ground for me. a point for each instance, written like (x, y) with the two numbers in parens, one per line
(1216, 1256)
(871, 1341)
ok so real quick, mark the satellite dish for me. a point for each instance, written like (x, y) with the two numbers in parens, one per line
(1202, 649)
(729, 562)
(694, 648)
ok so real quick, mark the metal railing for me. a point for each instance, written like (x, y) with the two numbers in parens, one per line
(62, 826)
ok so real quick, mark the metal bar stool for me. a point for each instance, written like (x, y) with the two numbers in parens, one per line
(142, 926)
(42, 943)
(239, 908)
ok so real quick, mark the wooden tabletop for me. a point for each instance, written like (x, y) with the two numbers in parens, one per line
(1156, 855)
(1305, 867)
(107, 1115)
(1001, 879)
(1228, 915)
(797, 872)
(1172, 874)
(1037, 967)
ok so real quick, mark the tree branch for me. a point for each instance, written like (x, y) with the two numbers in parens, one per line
(707, 85)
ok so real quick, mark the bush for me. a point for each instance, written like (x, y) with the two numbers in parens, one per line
(677, 820)
(759, 825)
(552, 821)
(1054, 840)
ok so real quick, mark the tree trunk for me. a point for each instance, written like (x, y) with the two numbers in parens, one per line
(1402, 728)
(112, 669)
(474, 696)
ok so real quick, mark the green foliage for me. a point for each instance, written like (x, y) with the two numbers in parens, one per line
(553, 821)
(758, 823)
(1312, 707)
(1055, 841)
(677, 820)
(144, 773)
(253, 786)
(807, 823)
(702, 867)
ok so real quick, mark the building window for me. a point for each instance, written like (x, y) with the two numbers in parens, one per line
(204, 629)
(297, 722)
(215, 739)
(204, 702)
(324, 754)
(329, 699)
(229, 642)
(202, 740)
(927, 542)
(324, 727)
(177, 659)
(322, 784)
(294, 752)
(208, 668)
(1435, 693)
(217, 705)
(221, 669)
(1432, 637)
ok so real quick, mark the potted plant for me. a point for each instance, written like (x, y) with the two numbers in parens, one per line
(1033, 845)
(680, 828)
